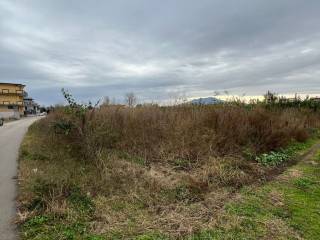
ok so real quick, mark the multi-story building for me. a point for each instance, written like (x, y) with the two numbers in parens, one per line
(11, 100)
(30, 106)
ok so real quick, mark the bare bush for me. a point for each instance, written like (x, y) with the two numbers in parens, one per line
(187, 133)
(131, 99)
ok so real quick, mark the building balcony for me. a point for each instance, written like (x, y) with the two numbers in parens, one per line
(11, 92)
(7, 103)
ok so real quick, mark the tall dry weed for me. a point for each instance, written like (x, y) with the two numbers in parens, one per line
(186, 133)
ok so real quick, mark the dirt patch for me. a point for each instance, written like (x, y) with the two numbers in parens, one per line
(165, 176)
(278, 229)
(313, 163)
(276, 198)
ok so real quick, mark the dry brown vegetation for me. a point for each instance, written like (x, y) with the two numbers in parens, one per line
(187, 133)
(152, 169)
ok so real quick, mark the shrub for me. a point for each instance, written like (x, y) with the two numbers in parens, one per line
(272, 158)
(182, 135)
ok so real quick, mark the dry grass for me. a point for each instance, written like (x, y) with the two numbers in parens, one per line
(168, 170)
(189, 134)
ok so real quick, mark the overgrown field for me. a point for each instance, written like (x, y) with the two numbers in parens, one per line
(152, 172)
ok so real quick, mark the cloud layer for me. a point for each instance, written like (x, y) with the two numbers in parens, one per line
(160, 49)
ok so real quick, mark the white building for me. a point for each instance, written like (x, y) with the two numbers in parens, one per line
(31, 107)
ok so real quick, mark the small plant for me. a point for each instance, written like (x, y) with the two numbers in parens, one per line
(37, 221)
(181, 164)
(272, 158)
(81, 201)
(248, 154)
(304, 183)
(62, 127)
(186, 194)
(131, 158)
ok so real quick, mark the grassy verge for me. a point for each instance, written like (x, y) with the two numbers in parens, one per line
(52, 202)
(62, 197)
(285, 208)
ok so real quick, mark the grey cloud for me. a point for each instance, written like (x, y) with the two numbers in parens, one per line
(159, 48)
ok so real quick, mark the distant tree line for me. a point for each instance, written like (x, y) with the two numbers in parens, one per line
(274, 100)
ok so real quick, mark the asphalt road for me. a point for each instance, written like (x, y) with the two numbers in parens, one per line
(11, 135)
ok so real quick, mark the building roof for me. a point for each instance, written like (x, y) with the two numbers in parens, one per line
(16, 84)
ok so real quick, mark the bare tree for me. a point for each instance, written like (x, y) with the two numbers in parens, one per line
(106, 100)
(130, 99)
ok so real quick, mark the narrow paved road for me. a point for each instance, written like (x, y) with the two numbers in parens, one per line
(11, 135)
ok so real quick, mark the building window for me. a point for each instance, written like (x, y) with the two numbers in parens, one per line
(5, 90)
(10, 107)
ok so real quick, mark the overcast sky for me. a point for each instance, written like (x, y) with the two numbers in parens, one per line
(160, 49)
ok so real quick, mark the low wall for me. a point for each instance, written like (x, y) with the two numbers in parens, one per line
(7, 115)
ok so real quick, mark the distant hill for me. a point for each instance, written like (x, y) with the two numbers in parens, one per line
(206, 101)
